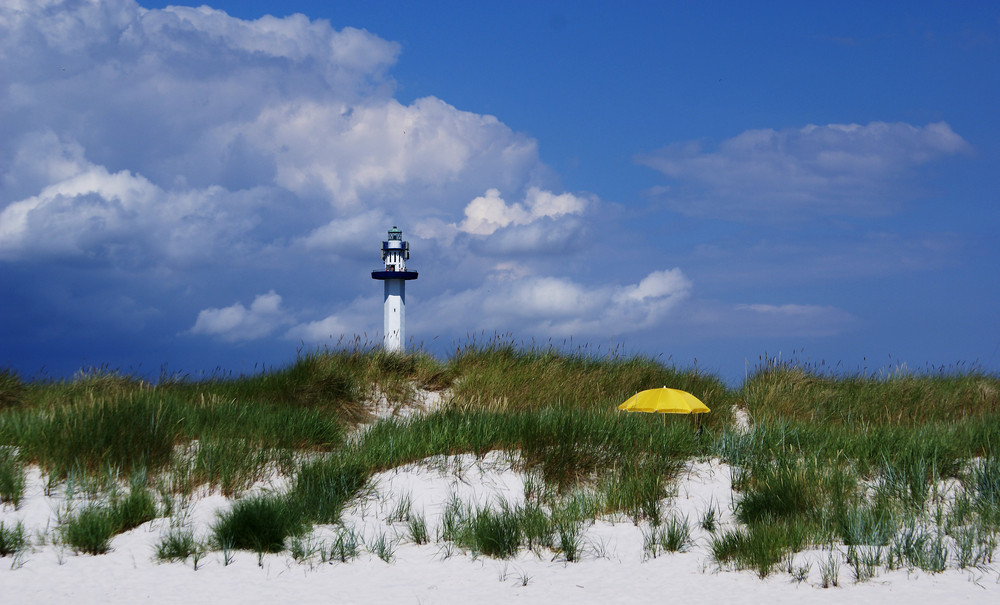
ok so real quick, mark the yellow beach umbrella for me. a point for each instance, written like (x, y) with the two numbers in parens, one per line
(664, 401)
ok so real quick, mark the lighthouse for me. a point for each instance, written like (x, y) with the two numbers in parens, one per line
(395, 253)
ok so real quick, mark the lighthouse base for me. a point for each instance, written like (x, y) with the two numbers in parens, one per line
(395, 315)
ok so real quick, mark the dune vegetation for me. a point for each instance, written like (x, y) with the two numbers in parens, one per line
(897, 470)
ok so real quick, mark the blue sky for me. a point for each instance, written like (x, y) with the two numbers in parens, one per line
(188, 189)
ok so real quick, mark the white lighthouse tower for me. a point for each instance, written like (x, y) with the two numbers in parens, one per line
(395, 253)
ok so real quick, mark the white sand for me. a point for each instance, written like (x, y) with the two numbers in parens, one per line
(613, 570)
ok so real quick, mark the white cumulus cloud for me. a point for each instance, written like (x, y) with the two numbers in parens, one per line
(351, 154)
(85, 210)
(489, 212)
(237, 322)
(837, 169)
(331, 328)
(191, 106)
(192, 150)
(355, 319)
(560, 307)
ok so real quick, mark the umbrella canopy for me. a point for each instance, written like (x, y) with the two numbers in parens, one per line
(664, 401)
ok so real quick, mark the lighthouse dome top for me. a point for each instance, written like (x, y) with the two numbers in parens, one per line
(395, 234)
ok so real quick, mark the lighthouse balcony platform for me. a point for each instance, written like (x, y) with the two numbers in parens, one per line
(383, 275)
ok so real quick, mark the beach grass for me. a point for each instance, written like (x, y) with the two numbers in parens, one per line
(494, 532)
(12, 388)
(503, 530)
(177, 545)
(416, 526)
(897, 397)
(91, 529)
(672, 536)
(12, 539)
(12, 480)
(854, 461)
(345, 548)
(261, 523)
(499, 375)
(861, 460)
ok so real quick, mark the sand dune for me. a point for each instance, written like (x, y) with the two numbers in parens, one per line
(613, 569)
